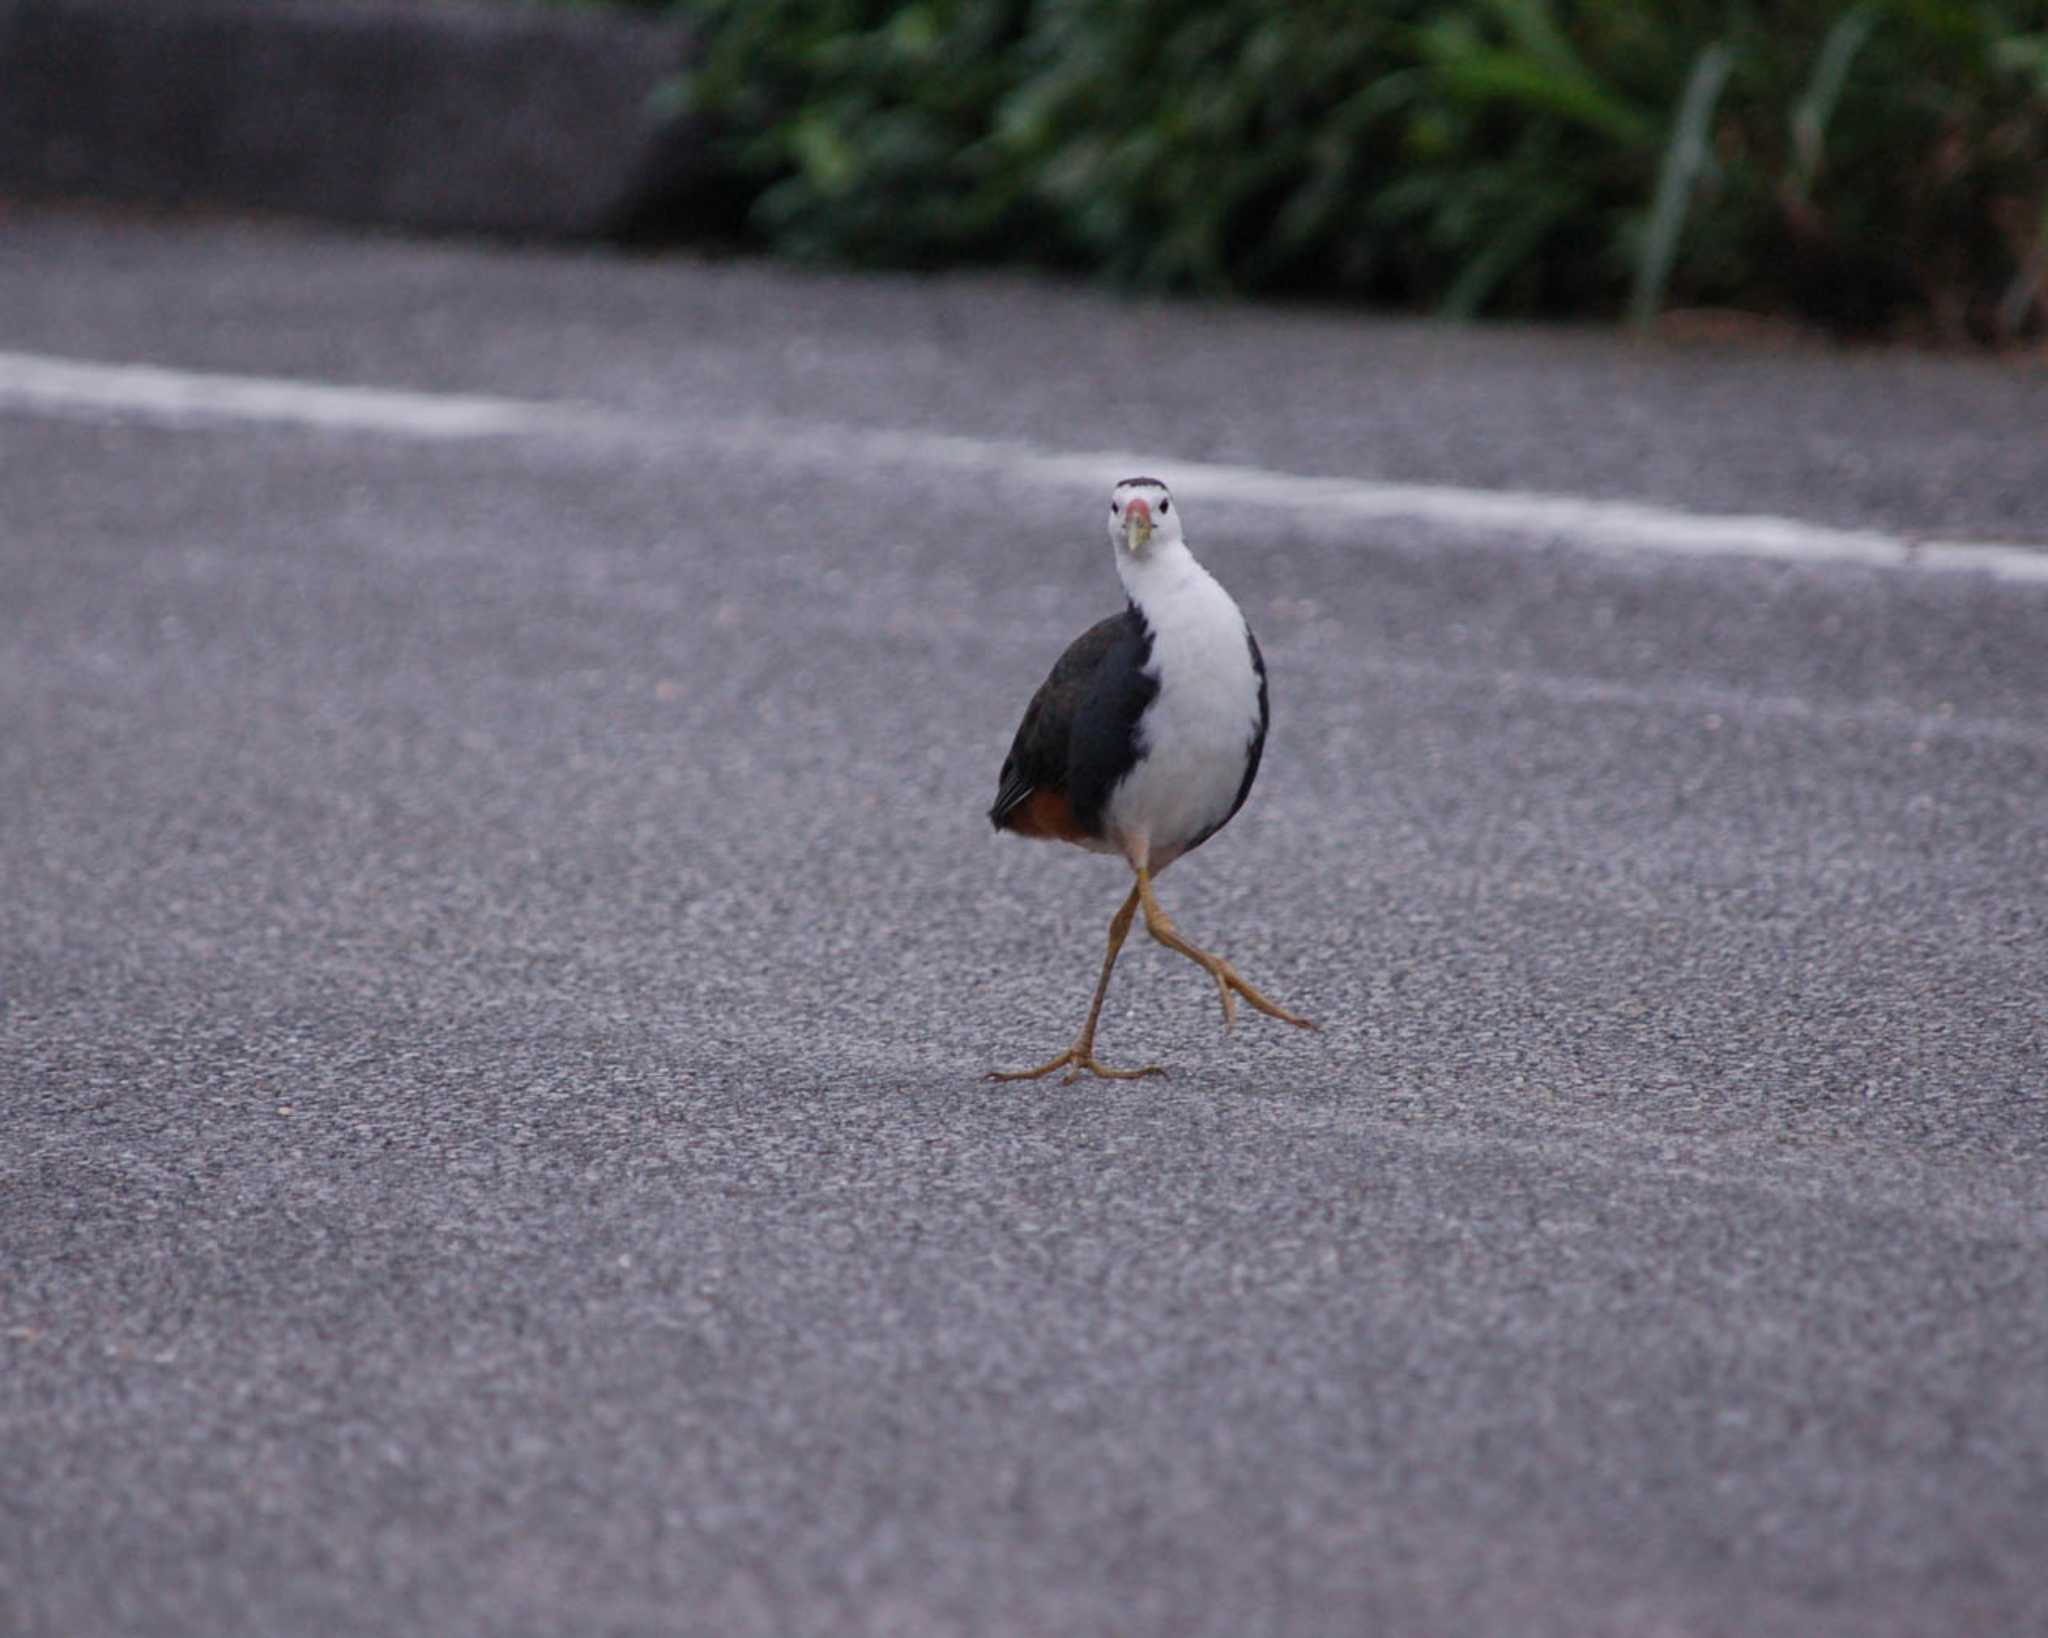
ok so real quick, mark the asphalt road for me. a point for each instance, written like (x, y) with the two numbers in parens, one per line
(500, 944)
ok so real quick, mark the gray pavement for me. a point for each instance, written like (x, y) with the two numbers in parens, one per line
(499, 942)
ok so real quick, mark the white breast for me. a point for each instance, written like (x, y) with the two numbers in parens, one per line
(1194, 738)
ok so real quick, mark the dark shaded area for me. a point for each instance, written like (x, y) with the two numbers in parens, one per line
(478, 118)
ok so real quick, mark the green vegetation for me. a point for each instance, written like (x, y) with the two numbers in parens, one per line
(1875, 167)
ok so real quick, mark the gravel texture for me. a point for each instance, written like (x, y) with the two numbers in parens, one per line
(500, 942)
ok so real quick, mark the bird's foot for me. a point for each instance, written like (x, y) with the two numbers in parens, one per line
(1078, 1060)
(1230, 985)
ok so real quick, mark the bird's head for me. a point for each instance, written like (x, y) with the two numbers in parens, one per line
(1142, 517)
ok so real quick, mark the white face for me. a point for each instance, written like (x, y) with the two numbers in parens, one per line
(1142, 516)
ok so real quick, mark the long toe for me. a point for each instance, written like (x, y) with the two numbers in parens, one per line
(1226, 981)
(1060, 1062)
(1077, 1061)
(1094, 1066)
(1272, 1009)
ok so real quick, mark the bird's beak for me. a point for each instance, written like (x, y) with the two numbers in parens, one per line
(1137, 526)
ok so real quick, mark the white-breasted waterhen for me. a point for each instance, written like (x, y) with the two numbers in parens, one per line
(1144, 742)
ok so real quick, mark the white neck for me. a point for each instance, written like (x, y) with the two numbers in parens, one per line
(1166, 569)
(1196, 731)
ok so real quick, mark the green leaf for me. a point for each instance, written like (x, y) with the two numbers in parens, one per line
(1504, 76)
(1684, 155)
(1830, 71)
(1510, 248)
(823, 155)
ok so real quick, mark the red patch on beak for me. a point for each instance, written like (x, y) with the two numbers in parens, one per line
(1140, 508)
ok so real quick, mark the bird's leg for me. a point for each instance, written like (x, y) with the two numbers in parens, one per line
(1079, 1059)
(1228, 984)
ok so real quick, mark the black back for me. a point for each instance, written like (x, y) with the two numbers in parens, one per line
(1079, 735)
(1104, 743)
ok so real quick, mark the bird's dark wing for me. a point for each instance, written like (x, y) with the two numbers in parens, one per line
(1038, 759)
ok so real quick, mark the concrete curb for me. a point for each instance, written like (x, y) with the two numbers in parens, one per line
(450, 116)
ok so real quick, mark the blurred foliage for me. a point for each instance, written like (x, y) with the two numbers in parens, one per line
(868, 129)
(1871, 166)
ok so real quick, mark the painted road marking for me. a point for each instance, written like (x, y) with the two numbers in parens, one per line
(35, 382)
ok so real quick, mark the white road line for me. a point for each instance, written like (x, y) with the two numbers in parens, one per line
(35, 382)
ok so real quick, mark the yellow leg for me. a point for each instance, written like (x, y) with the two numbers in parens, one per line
(1228, 984)
(1079, 1059)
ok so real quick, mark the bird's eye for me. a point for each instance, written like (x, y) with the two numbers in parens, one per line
(1112, 508)
(1165, 506)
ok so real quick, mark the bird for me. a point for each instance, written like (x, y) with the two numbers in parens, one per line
(1143, 741)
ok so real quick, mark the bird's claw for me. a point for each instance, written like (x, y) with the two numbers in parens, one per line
(1077, 1061)
(1231, 985)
